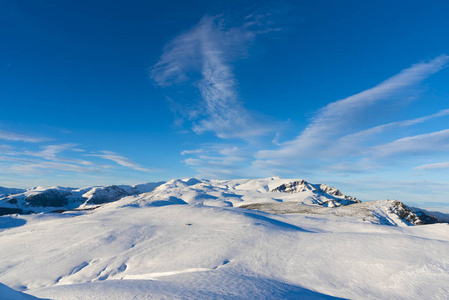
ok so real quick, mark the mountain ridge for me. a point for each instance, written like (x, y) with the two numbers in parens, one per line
(273, 195)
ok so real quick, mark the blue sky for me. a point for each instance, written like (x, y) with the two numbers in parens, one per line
(348, 93)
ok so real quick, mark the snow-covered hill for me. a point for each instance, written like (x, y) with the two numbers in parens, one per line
(274, 195)
(194, 239)
(228, 193)
(193, 191)
(41, 199)
(383, 212)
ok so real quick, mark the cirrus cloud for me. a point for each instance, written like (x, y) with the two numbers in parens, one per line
(203, 58)
(338, 128)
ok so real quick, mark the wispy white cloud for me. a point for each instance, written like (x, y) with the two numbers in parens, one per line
(51, 153)
(338, 116)
(435, 166)
(419, 144)
(32, 166)
(342, 138)
(30, 161)
(203, 56)
(189, 152)
(360, 142)
(6, 149)
(13, 136)
(221, 161)
(381, 128)
(338, 126)
(45, 167)
(121, 160)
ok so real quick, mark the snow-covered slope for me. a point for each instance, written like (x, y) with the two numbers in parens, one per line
(228, 193)
(205, 252)
(194, 239)
(383, 212)
(274, 195)
(193, 191)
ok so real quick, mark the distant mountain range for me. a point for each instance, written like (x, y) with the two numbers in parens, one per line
(273, 195)
(56, 198)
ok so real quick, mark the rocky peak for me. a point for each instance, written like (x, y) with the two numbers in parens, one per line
(106, 194)
(403, 212)
(330, 190)
(294, 187)
(299, 186)
(51, 197)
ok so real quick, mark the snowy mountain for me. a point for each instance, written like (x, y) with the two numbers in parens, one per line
(280, 196)
(40, 199)
(194, 191)
(246, 191)
(273, 195)
(266, 238)
(303, 186)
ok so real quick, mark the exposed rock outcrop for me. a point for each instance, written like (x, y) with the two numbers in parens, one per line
(303, 186)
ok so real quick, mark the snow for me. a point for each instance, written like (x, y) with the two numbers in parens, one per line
(190, 239)
(47, 199)
(385, 212)
(239, 192)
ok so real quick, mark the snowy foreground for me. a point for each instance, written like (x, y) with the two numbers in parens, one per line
(191, 239)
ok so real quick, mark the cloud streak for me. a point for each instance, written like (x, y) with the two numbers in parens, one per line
(12, 136)
(342, 120)
(435, 166)
(47, 159)
(203, 56)
(121, 160)
(32, 166)
(337, 116)
(346, 137)
(382, 128)
(415, 145)
(221, 161)
(50, 152)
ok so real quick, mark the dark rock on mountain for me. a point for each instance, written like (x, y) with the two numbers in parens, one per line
(303, 186)
(50, 197)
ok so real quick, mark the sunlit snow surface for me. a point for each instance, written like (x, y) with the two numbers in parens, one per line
(179, 245)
